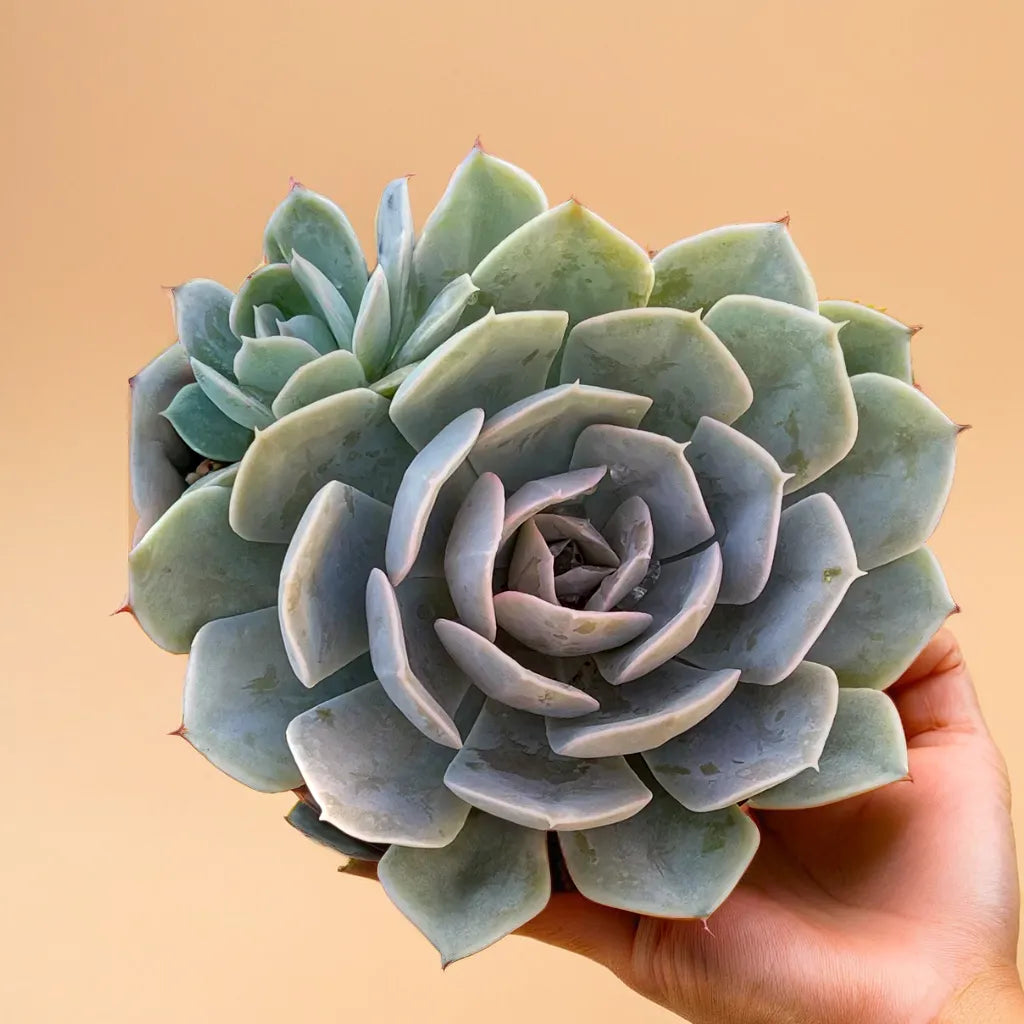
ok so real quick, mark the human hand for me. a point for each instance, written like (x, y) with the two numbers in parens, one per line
(899, 906)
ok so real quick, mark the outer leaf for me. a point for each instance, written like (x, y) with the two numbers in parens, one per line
(872, 342)
(344, 437)
(651, 467)
(371, 336)
(273, 283)
(492, 878)
(507, 769)
(191, 567)
(665, 861)
(803, 411)
(304, 819)
(324, 299)
(376, 776)
(865, 749)
(667, 354)
(885, 621)
(328, 375)
(759, 737)
(814, 567)
(486, 200)
(204, 428)
(742, 488)
(337, 543)
(535, 437)
(158, 457)
(741, 259)
(243, 407)
(490, 364)
(310, 224)
(201, 310)
(421, 679)
(649, 712)
(678, 604)
(567, 258)
(893, 485)
(240, 695)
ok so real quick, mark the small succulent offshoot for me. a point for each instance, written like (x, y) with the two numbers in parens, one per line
(528, 540)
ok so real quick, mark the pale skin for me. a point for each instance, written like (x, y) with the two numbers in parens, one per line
(897, 907)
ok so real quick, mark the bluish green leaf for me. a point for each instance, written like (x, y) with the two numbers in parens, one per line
(267, 363)
(371, 336)
(274, 284)
(201, 314)
(438, 323)
(304, 819)
(267, 317)
(242, 405)
(324, 299)
(395, 237)
(204, 428)
(872, 342)
(310, 329)
(329, 375)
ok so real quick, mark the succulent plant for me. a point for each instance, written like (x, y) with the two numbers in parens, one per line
(528, 544)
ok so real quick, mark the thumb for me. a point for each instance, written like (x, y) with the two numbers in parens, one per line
(602, 934)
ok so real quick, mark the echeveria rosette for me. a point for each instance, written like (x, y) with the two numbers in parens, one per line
(527, 536)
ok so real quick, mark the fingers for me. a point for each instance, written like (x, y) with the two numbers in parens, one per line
(603, 934)
(935, 696)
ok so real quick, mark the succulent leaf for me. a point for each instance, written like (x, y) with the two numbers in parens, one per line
(337, 543)
(535, 437)
(865, 749)
(760, 737)
(439, 322)
(885, 621)
(371, 335)
(537, 495)
(328, 375)
(313, 226)
(204, 428)
(813, 568)
(304, 819)
(414, 668)
(273, 283)
(324, 299)
(564, 632)
(532, 569)
(503, 678)
(893, 485)
(191, 567)
(669, 700)
(469, 556)
(492, 878)
(267, 317)
(630, 534)
(308, 328)
(872, 342)
(742, 259)
(666, 354)
(664, 861)
(507, 769)
(395, 237)
(388, 386)
(201, 315)
(243, 406)
(567, 258)
(345, 437)
(803, 410)
(651, 467)
(489, 364)
(741, 485)
(557, 527)
(373, 773)
(421, 487)
(678, 602)
(485, 201)
(241, 693)
(157, 454)
(266, 364)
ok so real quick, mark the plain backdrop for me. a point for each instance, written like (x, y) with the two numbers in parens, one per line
(146, 143)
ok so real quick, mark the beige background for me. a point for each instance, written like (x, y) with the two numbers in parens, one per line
(146, 143)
